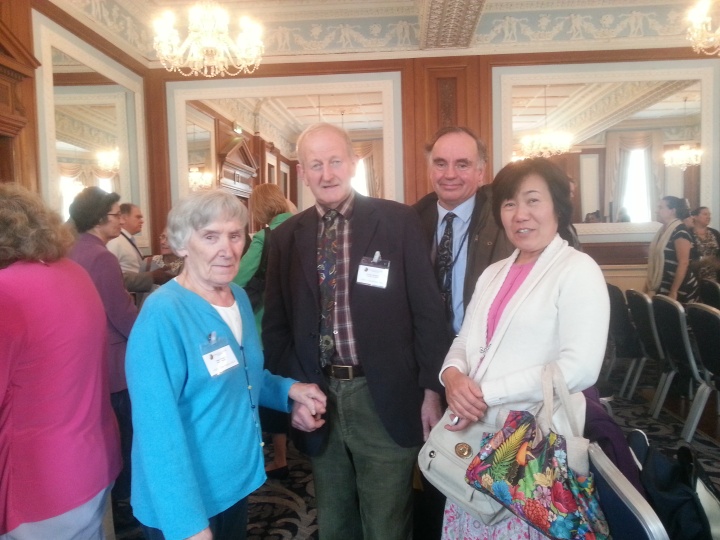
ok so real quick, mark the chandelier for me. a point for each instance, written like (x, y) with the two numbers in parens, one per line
(683, 157)
(199, 180)
(546, 143)
(703, 38)
(208, 50)
(108, 160)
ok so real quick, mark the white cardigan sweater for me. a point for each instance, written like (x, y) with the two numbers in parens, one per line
(560, 313)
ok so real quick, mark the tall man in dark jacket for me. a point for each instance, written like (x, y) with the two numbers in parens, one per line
(351, 304)
(456, 160)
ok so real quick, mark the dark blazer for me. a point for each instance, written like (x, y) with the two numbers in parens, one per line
(487, 242)
(400, 330)
(104, 269)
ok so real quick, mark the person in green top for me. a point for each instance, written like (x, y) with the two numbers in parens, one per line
(269, 207)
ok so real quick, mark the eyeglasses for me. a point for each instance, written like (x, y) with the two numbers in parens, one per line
(116, 214)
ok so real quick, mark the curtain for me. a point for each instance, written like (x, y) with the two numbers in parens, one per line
(371, 152)
(88, 174)
(619, 144)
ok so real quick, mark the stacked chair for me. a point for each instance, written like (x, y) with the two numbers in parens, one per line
(629, 515)
(704, 321)
(671, 322)
(641, 311)
(624, 344)
(710, 293)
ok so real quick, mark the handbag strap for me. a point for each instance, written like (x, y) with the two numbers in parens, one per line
(553, 384)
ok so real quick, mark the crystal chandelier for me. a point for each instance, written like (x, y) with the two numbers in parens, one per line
(683, 157)
(108, 160)
(208, 49)
(703, 38)
(199, 180)
(546, 143)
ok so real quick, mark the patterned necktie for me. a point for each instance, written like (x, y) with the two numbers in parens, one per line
(444, 264)
(327, 279)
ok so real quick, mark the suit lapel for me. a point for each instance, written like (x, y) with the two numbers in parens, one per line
(364, 226)
(306, 245)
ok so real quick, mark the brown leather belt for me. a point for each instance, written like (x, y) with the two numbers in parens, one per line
(343, 373)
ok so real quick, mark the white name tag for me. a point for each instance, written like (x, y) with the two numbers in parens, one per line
(373, 271)
(220, 360)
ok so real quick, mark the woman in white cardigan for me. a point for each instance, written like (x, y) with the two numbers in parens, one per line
(546, 303)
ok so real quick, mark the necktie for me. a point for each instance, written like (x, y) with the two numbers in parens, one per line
(327, 279)
(444, 264)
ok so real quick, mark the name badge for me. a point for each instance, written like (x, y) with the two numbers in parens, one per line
(373, 271)
(217, 355)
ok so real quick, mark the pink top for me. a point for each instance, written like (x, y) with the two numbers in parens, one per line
(59, 442)
(515, 278)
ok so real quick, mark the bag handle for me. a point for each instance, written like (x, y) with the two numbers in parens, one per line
(553, 383)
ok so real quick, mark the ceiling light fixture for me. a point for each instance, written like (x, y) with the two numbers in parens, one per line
(199, 180)
(546, 143)
(208, 49)
(108, 160)
(685, 156)
(700, 32)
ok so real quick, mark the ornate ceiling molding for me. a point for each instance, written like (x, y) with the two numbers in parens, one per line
(449, 24)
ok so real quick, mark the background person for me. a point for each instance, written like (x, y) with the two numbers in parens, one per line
(195, 372)
(707, 243)
(669, 270)
(371, 334)
(96, 215)
(270, 208)
(546, 303)
(59, 439)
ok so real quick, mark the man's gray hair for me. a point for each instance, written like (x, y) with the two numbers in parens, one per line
(479, 143)
(322, 126)
(198, 210)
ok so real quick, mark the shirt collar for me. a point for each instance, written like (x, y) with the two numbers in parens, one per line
(345, 208)
(463, 210)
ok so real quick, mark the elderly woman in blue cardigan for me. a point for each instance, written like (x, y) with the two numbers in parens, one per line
(196, 378)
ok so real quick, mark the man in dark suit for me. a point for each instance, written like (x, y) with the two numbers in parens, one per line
(456, 160)
(352, 305)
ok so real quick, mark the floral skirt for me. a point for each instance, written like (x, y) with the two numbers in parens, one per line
(459, 525)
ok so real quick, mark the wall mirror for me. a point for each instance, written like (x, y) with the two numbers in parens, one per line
(612, 109)
(90, 117)
(367, 105)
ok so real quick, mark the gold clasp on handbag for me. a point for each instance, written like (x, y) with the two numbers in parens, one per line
(463, 450)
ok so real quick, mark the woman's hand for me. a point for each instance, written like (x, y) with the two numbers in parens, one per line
(310, 404)
(464, 398)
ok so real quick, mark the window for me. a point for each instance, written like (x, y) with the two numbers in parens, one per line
(635, 199)
(359, 181)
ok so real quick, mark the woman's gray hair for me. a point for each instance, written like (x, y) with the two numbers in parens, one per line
(198, 210)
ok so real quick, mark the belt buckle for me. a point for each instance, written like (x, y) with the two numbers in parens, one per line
(348, 372)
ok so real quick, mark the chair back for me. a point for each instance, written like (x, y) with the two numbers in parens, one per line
(705, 324)
(672, 328)
(710, 292)
(641, 311)
(622, 329)
(629, 515)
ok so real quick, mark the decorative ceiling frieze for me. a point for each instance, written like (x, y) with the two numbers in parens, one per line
(449, 24)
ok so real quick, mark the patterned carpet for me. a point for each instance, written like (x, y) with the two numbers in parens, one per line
(285, 509)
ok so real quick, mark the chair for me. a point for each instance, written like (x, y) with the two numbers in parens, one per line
(624, 343)
(704, 322)
(629, 515)
(710, 292)
(672, 328)
(641, 311)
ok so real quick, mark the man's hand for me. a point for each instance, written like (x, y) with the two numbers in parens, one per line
(310, 404)
(463, 395)
(430, 412)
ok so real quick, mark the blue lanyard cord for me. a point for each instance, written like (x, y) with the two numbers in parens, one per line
(462, 243)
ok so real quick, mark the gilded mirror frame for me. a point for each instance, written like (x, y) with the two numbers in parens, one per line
(706, 71)
(48, 35)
